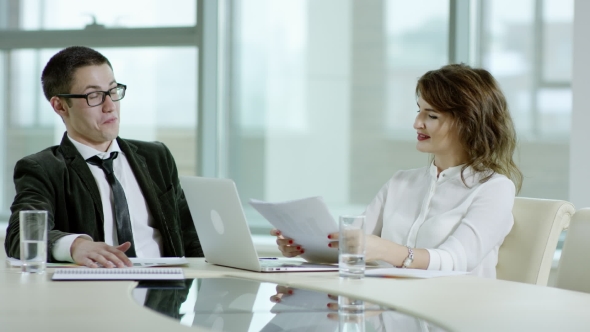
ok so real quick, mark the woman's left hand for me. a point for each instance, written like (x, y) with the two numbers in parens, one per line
(375, 247)
(393, 253)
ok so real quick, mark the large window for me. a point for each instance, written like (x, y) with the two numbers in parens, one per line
(161, 99)
(527, 45)
(322, 92)
(75, 14)
(322, 96)
(415, 43)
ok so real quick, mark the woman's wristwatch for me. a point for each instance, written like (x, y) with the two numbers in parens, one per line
(406, 263)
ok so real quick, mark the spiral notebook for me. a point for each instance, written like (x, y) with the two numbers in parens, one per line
(119, 274)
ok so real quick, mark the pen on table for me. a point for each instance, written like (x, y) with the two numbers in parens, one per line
(268, 258)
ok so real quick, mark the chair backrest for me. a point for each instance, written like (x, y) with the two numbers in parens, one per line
(573, 271)
(527, 252)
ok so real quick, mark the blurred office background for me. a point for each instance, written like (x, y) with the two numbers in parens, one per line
(293, 98)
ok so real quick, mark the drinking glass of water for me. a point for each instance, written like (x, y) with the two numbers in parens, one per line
(33, 241)
(351, 246)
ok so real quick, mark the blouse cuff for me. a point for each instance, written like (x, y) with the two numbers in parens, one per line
(434, 260)
(440, 260)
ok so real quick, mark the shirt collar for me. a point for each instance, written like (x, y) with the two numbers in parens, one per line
(89, 152)
(452, 173)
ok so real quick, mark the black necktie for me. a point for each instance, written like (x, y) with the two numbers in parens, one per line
(123, 220)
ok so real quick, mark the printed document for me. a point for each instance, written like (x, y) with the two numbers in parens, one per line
(307, 221)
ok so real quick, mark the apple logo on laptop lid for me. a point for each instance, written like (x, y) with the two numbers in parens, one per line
(217, 222)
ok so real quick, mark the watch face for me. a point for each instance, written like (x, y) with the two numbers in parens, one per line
(407, 262)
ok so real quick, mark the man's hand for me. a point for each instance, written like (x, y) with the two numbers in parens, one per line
(90, 254)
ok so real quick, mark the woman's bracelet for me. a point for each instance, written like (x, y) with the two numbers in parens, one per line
(406, 263)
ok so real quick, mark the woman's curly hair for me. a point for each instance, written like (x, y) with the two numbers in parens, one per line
(480, 115)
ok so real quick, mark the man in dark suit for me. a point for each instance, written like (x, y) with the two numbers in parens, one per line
(107, 198)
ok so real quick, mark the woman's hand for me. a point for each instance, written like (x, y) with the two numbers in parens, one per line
(287, 246)
(376, 248)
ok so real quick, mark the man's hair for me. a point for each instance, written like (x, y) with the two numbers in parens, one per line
(480, 116)
(58, 75)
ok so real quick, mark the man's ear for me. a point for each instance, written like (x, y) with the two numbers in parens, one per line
(59, 106)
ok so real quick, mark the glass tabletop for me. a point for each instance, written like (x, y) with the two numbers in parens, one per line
(240, 305)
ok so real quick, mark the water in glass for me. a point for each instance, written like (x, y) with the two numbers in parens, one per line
(352, 265)
(34, 254)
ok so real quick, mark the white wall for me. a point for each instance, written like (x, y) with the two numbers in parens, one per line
(327, 114)
(579, 181)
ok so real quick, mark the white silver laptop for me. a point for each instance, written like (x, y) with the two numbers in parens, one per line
(223, 230)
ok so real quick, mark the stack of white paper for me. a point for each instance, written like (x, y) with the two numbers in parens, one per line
(307, 221)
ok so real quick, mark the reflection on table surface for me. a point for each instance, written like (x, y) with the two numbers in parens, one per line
(239, 305)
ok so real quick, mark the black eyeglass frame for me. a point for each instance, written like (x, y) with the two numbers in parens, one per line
(104, 95)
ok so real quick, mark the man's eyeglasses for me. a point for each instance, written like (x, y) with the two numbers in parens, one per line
(96, 98)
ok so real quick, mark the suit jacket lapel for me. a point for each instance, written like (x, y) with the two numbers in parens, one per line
(75, 162)
(141, 172)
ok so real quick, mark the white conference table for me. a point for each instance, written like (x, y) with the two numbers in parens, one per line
(460, 303)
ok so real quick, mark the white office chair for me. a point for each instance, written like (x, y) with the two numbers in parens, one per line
(527, 252)
(573, 271)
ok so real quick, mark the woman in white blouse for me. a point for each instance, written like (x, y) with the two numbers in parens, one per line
(455, 213)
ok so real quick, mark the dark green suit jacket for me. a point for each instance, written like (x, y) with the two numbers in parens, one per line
(58, 180)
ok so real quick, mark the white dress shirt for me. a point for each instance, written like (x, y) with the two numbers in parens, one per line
(462, 227)
(147, 239)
